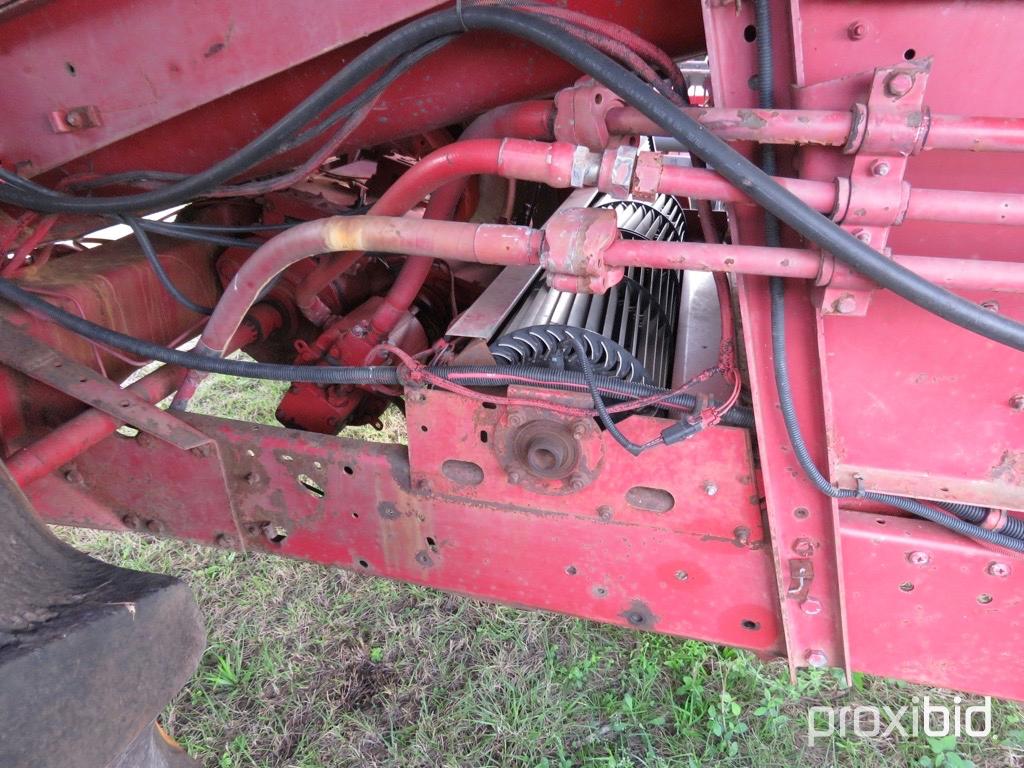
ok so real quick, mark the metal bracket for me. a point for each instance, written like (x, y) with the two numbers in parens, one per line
(889, 128)
(33, 358)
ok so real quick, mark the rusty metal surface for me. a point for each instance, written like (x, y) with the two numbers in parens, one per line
(24, 353)
(355, 505)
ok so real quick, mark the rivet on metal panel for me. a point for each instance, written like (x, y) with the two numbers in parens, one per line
(919, 558)
(710, 488)
(682, 575)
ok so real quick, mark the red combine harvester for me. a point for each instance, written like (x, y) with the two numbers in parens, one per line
(705, 319)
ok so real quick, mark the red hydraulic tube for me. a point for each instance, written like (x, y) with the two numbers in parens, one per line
(828, 128)
(924, 204)
(525, 120)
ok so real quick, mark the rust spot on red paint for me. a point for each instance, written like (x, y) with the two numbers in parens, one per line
(1010, 468)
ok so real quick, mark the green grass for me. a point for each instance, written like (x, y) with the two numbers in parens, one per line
(313, 668)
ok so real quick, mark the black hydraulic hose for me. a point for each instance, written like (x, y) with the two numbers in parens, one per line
(199, 235)
(777, 289)
(356, 376)
(18, 191)
(746, 176)
(803, 456)
(726, 161)
(161, 274)
(150, 351)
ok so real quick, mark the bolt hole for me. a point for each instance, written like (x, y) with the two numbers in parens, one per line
(70, 68)
(906, 586)
(636, 618)
(598, 98)
(431, 542)
(483, 435)
(601, 591)
(311, 485)
(58, 364)
(880, 521)
(910, 54)
(570, 570)
(126, 403)
(82, 381)
(423, 428)
(489, 406)
(275, 533)
(355, 515)
(753, 626)
(363, 564)
(800, 513)
(984, 598)
(348, 470)
(750, 33)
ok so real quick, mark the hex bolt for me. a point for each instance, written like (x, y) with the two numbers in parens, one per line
(919, 558)
(682, 575)
(742, 535)
(74, 119)
(710, 488)
(857, 30)
(879, 168)
(863, 235)
(816, 658)
(845, 304)
(579, 430)
(577, 482)
(604, 512)
(155, 526)
(252, 478)
(803, 547)
(131, 521)
(1017, 402)
(898, 84)
(358, 330)
(811, 606)
(514, 477)
(422, 484)
(72, 475)
(224, 540)
(998, 569)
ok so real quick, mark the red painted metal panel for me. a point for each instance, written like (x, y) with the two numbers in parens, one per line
(928, 606)
(201, 85)
(352, 504)
(800, 519)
